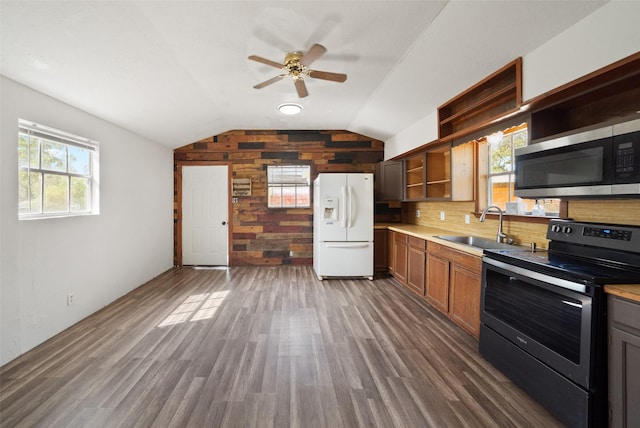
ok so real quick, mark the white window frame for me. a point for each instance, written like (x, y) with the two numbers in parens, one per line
(508, 176)
(300, 179)
(37, 132)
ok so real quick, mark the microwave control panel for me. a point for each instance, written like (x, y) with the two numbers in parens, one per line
(627, 157)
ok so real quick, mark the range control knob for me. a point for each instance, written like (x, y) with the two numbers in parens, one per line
(567, 229)
(555, 228)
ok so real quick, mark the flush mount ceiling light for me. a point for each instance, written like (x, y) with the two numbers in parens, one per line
(290, 108)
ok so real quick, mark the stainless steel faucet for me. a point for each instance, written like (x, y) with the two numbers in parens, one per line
(500, 235)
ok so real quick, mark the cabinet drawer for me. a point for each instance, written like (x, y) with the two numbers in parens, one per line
(417, 243)
(400, 237)
(471, 262)
(624, 312)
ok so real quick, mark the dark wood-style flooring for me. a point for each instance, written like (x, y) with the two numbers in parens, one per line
(262, 347)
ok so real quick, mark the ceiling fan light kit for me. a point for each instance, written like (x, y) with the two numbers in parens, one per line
(296, 65)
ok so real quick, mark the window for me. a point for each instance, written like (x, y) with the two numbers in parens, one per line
(501, 177)
(500, 170)
(288, 186)
(57, 173)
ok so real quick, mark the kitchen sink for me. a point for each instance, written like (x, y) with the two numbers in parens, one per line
(475, 241)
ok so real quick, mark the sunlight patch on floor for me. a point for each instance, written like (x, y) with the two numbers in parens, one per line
(195, 308)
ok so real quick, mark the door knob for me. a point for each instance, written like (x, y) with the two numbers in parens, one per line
(224, 223)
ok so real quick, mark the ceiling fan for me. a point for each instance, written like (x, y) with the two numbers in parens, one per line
(296, 65)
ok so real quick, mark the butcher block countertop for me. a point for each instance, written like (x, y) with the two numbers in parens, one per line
(429, 234)
(628, 291)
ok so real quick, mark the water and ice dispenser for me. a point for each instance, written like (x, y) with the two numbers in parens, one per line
(330, 209)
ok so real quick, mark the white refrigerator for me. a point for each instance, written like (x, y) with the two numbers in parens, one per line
(343, 225)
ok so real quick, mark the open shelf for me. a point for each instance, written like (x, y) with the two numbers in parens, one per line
(414, 178)
(609, 94)
(497, 95)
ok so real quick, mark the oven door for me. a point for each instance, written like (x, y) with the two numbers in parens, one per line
(547, 317)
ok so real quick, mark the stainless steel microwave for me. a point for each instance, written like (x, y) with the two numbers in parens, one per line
(600, 162)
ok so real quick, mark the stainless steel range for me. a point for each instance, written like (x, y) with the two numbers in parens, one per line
(543, 315)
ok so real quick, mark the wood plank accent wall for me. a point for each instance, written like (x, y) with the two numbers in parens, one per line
(261, 236)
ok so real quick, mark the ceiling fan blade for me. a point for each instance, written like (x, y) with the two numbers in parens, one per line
(301, 88)
(313, 54)
(270, 81)
(325, 75)
(265, 61)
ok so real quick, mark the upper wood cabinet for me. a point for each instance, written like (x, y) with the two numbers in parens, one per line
(414, 178)
(611, 93)
(494, 97)
(388, 186)
(443, 172)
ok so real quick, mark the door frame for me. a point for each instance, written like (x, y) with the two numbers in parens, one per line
(177, 216)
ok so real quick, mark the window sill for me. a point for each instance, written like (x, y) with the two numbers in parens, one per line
(22, 217)
(519, 218)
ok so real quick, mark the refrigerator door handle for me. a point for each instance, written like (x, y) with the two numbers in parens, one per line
(350, 202)
(343, 220)
(352, 207)
(347, 245)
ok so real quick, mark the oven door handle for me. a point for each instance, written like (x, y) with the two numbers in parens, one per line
(569, 285)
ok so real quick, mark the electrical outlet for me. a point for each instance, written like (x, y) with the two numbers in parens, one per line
(417, 213)
(442, 215)
(70, 299)
(467, 219)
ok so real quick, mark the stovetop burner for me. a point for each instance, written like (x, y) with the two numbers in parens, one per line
(566, 266)
(590, 252)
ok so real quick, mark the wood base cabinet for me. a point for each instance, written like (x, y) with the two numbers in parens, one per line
(453, 285)
(437, 292)
(380, 251)
(624, 363)
(464, 299)
(416, 264)
(399, 257)
(407, 261)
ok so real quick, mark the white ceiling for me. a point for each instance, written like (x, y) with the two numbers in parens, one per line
(177, 71)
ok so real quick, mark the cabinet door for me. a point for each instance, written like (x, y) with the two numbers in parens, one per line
(437, 291)
(624, 362)
(381, 250)
(389, 184)
(416, 270)
(624, 378)
(463, 172)
(464, 298)
(400, 257)
(390, 254)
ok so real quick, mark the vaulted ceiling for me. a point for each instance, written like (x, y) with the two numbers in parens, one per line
(178, 71)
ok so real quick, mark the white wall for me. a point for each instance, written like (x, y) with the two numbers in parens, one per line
(98, 258)
(606, 36)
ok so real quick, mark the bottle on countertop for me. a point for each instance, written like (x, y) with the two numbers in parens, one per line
(538, 209)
